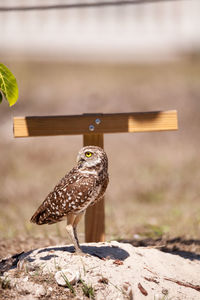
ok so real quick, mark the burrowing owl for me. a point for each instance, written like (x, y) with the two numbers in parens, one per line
(83, 186)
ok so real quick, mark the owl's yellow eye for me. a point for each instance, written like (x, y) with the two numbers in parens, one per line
(88, 154)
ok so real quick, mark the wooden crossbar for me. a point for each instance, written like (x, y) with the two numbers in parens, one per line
(109, 123)
(93, 127)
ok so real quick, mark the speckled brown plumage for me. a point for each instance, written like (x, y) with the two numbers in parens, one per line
(83, 186)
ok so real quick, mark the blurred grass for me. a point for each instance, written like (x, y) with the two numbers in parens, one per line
(154, 177)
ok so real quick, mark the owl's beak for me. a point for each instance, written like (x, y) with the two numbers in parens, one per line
(80, 162)
(80, 159)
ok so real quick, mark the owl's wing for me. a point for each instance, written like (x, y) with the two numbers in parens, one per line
(71, 195)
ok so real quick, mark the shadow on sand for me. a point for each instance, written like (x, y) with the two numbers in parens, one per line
(102, 252)
(109, 252)
(186, 248)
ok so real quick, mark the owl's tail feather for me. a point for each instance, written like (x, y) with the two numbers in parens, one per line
(41, 216)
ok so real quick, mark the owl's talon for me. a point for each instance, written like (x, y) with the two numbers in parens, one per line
(81, 253)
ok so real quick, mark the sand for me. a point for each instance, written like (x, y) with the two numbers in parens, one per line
(114, 270)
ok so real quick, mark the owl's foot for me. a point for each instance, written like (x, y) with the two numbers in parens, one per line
(81, 253)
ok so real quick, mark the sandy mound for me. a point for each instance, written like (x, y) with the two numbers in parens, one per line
(112, 271)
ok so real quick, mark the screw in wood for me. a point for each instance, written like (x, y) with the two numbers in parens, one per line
(97, 121)
(91, 127)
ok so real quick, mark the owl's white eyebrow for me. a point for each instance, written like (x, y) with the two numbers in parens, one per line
(88, 171)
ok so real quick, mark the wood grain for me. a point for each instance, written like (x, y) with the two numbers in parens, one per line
(95, 215)
(110, 123)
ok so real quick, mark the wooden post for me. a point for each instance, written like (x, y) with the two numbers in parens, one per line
(95, 215)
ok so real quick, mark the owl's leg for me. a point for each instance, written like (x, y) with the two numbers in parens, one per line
(70, 231)
(76, 221)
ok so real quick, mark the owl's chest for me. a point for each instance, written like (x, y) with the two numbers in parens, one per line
(100, 191)
(93, 198)
(96, 194)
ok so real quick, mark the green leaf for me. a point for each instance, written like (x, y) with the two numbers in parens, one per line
(8, 85)
(1, 97)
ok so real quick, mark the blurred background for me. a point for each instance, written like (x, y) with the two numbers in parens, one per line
(105, 57)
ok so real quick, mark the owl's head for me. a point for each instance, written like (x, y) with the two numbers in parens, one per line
(92, 157)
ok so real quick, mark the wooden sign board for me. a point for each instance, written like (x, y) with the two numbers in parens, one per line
(109, 123)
